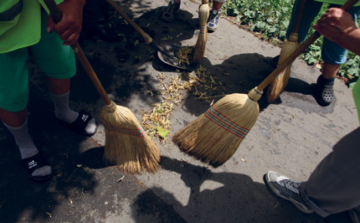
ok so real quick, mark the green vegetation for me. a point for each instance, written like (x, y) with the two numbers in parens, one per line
(269, 20)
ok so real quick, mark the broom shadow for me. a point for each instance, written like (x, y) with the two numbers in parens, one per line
(239, 74)
(246, 71)
(123, 66)
(233, 198)
(301, 94)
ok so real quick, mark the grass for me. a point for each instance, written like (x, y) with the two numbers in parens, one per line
(269, 20)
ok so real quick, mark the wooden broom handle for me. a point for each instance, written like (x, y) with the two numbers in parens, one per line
(57, 15)
(146, 37)
(297, 52)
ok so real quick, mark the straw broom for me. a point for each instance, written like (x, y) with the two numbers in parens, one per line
(278, 85)
(127, 144)
(216, 134)
(199, 48)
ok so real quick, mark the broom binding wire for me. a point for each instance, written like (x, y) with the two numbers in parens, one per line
(138, 152)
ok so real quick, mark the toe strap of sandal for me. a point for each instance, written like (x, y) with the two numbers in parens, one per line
(33, 163)
(82, 121)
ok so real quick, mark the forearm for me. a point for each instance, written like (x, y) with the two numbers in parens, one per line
(350, 41)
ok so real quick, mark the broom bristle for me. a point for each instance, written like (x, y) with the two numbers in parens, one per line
(215, 135)
(278, 85)
(199, 49)
(127, 145)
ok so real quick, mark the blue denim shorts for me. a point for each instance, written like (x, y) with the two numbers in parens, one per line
(331, 52)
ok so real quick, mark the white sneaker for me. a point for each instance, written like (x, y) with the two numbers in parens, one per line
(287, 189)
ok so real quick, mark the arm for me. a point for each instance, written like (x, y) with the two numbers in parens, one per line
(338, 26)
(69, 27)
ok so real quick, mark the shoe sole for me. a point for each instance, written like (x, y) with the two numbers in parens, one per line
(266, 179)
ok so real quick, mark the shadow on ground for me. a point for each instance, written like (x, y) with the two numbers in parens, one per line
(20, 197)
(236, 198)
(241, 73)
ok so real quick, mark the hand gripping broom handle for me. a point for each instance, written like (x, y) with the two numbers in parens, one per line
(57, 15)
(297, 52)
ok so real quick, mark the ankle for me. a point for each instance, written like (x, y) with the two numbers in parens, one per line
(62, 109)
(325, 81)
(23, 140)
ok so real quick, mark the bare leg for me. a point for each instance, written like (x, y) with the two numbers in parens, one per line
(330, 70)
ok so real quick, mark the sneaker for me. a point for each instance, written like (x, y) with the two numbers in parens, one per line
(213, 20)
(287, 189)
(324, 93)
(171, 11)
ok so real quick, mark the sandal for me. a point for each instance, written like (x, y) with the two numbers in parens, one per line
(81, 122)
(33, 163)
(324, 94)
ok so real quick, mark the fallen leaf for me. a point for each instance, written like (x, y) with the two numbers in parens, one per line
(162, 132)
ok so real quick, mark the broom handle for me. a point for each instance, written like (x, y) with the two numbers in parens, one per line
(297, 52)
(57, 15)
(146, 37)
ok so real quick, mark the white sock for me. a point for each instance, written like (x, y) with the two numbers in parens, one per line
(64, 113)
(62, 109)
(26, 146)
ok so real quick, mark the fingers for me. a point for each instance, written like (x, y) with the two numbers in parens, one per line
(68, 29)
(50, 25)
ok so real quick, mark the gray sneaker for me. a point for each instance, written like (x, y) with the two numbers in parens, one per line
(287, 189)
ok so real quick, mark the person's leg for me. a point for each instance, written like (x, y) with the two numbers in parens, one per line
(171, 10)
(333, 56)
(58, 63)
(14, 92)
(310, 11)
(334, 185)
(214, 15)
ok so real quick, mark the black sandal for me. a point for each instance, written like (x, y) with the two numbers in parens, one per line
(81, 122)
(33, 163)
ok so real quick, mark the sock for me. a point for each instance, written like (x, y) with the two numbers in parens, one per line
(325, 81)
(62, 109)
(64, 113)
(26, 146)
